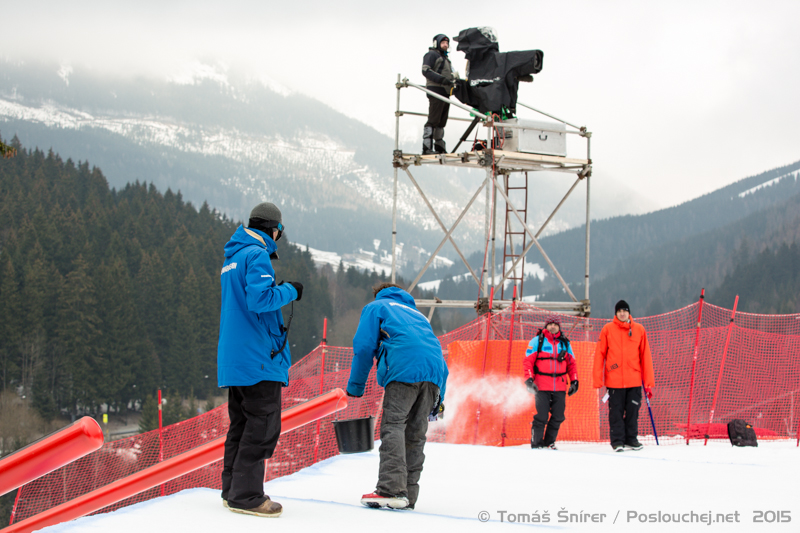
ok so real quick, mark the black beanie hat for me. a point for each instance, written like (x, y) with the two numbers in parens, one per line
(622, 304)
(266, 211)
(265, 217)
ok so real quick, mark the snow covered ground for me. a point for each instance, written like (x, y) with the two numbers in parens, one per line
(581, 487)
(322, 257)
(769, 183)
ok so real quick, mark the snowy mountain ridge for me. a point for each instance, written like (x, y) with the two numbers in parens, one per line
(768, 183)
(314, 154)
(232, 143)
(236, 140)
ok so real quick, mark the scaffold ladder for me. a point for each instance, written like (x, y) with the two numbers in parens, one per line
(515, 238)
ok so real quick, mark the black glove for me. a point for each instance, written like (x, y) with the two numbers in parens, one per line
(346, 391)
(437, 413)
(298, 287)
(573, 388)
(532, 388)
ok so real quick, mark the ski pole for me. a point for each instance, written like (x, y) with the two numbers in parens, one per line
(650, 410)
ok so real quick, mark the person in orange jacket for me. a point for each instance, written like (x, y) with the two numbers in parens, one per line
(622, 363)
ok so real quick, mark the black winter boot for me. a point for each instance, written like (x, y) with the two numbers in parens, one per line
(427, 141)
(537, 437)
(438, 141)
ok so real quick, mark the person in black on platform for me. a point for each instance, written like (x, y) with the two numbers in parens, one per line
(440, 79)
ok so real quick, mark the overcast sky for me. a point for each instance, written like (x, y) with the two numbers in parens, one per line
(682, 96)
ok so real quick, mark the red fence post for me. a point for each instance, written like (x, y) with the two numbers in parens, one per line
(694, 363)
(321, 381)
(721, 367)
(160, 435)
(508, 362)
(485, 353)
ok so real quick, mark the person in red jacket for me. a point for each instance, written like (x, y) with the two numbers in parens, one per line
(548, 360)
(622, 363)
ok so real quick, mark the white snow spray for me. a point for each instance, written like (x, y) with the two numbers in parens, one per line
(494, 395)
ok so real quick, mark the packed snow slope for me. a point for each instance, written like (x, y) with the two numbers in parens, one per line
(580, 487)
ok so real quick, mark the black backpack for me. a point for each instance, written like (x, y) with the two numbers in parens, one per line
(741, 433)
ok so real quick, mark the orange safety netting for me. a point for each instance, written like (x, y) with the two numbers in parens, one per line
(757, 378)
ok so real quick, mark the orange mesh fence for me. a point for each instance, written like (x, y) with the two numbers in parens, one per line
(296, 450)
(757, 379)
(489, 405)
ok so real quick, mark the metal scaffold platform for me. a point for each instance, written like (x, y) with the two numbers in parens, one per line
(501, 160)
(506, 177)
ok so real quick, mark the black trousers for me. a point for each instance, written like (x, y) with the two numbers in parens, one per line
(552, 404)
(404, 422)
(437, 110)
(255, 413)
(623, 414)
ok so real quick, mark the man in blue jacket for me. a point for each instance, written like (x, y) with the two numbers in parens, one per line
(252, 358)
(413, 372)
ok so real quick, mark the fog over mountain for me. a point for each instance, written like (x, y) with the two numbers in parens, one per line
(234, 140)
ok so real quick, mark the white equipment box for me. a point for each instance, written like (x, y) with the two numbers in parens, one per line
(546, 138)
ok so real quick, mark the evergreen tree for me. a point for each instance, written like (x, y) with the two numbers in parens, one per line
(206, 317)
(10, 326)
(153, 295)
(34, 342)
(149, 419)
(184, 372)
(121, 346)
(78, 330)
(107, 296)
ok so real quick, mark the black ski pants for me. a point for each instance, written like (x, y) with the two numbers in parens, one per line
(623, 415)
(437, 110)
(255, 413)
(404, 422)
(548, 404)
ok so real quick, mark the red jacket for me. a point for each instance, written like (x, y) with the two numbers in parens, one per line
(622, 357)
(545, 364)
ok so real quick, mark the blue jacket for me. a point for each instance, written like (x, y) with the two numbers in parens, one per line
(392, 331)
(251, 324)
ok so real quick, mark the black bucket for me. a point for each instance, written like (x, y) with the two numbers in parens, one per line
(356, 435)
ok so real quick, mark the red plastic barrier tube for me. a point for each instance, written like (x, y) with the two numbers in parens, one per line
(174, 467)
(49, 453)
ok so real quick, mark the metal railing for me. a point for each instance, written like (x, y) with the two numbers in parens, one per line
(49, 453)
(172, 468)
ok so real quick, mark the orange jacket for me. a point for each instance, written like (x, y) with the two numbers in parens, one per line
(622, 357)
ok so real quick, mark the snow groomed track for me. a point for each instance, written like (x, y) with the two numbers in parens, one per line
(580, 487)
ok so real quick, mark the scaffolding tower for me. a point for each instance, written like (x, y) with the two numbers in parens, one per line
(506, 176)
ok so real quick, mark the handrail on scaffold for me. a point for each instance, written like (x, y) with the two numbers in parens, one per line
(487, 119)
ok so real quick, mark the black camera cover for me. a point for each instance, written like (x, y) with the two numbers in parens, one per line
(493, 78)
